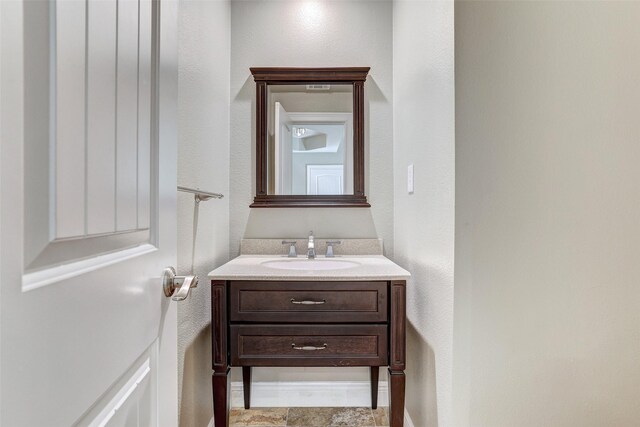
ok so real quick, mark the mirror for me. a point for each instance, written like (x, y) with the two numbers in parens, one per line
(309, 137)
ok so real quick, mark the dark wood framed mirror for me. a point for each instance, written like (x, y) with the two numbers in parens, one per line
(310, 137)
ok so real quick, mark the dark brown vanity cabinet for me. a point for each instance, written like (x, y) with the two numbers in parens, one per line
(306, 323)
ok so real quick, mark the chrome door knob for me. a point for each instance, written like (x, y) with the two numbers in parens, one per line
(177, 287)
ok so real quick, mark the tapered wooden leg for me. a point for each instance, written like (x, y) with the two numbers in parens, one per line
(221, 390)
(375, 373)
(397, 350)
(219, 353)
(246, 386)
(396, 398)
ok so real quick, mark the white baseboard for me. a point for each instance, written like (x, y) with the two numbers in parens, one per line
(407, 419)
(312, 393)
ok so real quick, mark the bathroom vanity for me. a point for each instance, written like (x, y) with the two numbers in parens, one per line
(309, 311)
(271, 310)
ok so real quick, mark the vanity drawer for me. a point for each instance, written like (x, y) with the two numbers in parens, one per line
(309, 345)
(296, 302)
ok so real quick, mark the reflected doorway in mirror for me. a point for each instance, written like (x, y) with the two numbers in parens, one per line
(308, 126)
(302, 139)
(325, 179)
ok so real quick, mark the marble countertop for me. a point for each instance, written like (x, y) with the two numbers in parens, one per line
(252, 267)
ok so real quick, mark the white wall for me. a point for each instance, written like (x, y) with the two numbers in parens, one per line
(305, 34)
(423, 111)
(203, 161)
(547, 214)
(312, 33)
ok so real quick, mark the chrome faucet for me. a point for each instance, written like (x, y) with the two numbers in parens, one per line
(311, 247)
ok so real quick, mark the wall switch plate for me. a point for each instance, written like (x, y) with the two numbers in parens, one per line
(410, 179)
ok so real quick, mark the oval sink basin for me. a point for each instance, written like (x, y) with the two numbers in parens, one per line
(310, 264)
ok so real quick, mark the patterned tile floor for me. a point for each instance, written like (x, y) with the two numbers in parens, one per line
(309, 417)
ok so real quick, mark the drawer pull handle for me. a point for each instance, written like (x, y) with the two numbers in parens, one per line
(293, 301)
(308, 347)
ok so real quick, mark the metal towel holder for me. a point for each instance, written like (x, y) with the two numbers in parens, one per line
(198, 196)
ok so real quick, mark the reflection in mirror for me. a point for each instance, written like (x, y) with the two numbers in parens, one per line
(310, 139)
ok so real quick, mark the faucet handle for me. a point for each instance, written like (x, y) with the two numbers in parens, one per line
(292, 248)
(330, 244)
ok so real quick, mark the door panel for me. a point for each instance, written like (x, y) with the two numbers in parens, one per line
(144, 114)
(101, 116)
(126, 161)
(325, 179)
(70, 110)
(97, 185)
(87, 219)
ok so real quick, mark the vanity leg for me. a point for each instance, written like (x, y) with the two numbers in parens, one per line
(396, 398)
(397, 350)
(221, 378)
(221, 390)
(375, 373)
(246, 386)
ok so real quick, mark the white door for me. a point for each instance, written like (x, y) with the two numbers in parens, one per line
(283, 155)
(325, 179)
(87, 212)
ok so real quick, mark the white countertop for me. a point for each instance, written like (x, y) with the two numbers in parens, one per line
(251, 267)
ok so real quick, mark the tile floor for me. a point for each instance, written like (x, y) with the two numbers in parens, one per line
(308, 417)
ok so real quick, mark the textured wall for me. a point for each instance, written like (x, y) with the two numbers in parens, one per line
(423, 111)
(547, 209)
(308, 33)
(203, 161)
(312, 33)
